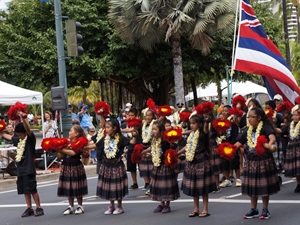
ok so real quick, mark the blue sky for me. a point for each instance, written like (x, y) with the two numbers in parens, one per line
(3, 4)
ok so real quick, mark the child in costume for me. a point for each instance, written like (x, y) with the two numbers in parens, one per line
(260, 173)
(163, 185)
(112, 181)
(72, 180)
(146, 165)
(198, 177)
(26, 174)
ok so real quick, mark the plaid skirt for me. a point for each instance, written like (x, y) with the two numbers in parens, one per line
(163, 185)
(181, 163)
(146, 165)
(260, 175)
(112, 180)
(216, 160)
(72, 180)
(198, 177)
(292, 159)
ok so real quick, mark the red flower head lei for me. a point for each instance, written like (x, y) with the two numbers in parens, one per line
(286, 106)
(104, 106)
(269, 113)
(172, 135)
(171, 158)
(236, 111)
(206, 107)
(260, 150)
(226, 150)
(184, 116)
(164, 110)
(79, 143)
(136, 156)
(239, 102)
(48, 144)
(2, 126)
(13, 110)
(221, 125)
(60, 143)
(134, 122)
(297, 100)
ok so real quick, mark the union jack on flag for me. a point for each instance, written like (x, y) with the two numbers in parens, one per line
(257, 54)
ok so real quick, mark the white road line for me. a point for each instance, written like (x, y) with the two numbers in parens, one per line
(289, 181)
(233, 196)
(153, 202)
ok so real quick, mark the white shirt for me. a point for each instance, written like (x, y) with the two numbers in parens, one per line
(30, 116)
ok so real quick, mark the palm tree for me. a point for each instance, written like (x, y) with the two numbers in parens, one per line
(88, 95)
(146, 22)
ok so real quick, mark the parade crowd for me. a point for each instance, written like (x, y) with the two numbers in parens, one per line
(245, 144)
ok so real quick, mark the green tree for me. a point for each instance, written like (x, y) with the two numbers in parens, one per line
(145, 22)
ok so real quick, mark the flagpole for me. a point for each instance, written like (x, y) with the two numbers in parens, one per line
(233, 49)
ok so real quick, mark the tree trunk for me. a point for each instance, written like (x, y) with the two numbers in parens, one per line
(220, 92)
(298, 23)
(112, 96)
(102, 92)
(193, 84)
(177, 63)
(120, 98)
(286, 35)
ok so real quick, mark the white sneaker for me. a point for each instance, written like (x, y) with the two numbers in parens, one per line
(225, 183)
(118, 211)
(79, 210)
(69, 210)
(110, 210)
(147, 192)
(238, 183)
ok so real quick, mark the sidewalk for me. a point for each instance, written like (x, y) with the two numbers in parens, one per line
(52, 174)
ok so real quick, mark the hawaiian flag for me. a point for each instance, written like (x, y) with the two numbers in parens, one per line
(257, 54)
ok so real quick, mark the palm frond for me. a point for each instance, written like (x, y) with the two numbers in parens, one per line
(189, 5)
(201, 40)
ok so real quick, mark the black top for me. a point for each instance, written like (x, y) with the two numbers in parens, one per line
(279, 118)
(285, 129)
(266, 130)
(121, 145)
(26, 166)
(140, 129)
(202, 145)
(232, 134)
(243, 121)
(164, 147)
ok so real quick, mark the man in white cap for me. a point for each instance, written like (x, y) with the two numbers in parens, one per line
(128, 106)
(180, 108)
(278, 100)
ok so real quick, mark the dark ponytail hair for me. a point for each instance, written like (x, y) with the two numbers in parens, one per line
(271, 103)
(255, 102)
(264, 117)
(78, 129)
(200, 121)
(161, 127)
(153, 113)
(114, 123)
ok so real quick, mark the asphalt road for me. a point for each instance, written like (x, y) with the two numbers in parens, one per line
(226, 207)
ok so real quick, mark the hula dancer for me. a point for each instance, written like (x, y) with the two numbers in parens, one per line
(112, 181)
(26, 174)
(292, 159)
(72, 180)
(198, 177)
(163, 185)
(146, 165)
(260, 173)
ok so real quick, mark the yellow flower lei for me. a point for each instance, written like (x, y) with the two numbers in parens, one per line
(129, 134)
(100, 134)
(20, 149)
(248, 124)
(155, 151)
(229, 117)
(294, 133)
(220, 139)
(107, 139)
(147, 139)
(249, 135)
(190, 149)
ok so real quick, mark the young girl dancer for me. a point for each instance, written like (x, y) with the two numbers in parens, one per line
(146, 165)
(260, 173)
(198, 177)
(112, 180)
(292, 159)
(163, 185)
(72, 180)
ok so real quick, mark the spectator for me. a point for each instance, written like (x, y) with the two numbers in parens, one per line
(193, 108)
(51, 129)
(84, 118)
(128, 106)
(92, 152)
(220, 109)
(75, 119)
(30, 116)
(122, 116)
(10, 131)
(278, 100)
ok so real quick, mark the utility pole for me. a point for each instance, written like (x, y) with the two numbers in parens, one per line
(65, 116)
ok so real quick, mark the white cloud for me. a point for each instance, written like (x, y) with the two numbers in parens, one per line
(3, 4)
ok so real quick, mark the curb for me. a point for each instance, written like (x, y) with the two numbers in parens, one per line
(89, 169)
